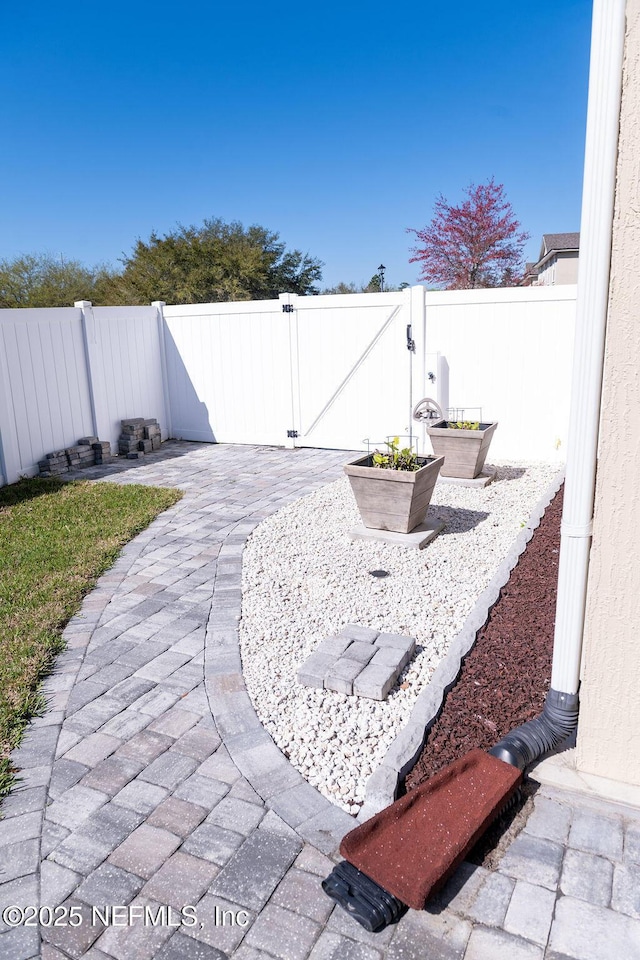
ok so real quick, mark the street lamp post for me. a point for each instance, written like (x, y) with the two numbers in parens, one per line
(381, 270)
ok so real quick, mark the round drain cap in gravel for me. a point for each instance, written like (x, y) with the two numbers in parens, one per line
(379, 573)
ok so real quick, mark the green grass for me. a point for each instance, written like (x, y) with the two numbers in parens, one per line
(55, 540)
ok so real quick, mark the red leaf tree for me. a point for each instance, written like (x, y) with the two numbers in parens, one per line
(477, 244)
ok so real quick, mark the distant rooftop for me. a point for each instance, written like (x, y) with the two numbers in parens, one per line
(558, 242)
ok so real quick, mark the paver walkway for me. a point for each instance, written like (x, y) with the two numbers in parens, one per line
(160, 820)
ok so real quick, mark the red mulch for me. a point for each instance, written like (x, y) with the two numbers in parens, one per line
(505, 677)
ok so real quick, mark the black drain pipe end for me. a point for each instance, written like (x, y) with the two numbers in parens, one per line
(544, 733)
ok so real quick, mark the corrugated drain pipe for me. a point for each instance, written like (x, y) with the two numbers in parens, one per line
(366, 900)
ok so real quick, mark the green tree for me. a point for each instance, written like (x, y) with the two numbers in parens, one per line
(40, 280)
(215, 262)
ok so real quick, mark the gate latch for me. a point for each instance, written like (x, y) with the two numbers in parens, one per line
(411, 344)
(287, 308)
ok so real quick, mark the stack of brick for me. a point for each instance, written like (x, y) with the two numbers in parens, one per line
(54, 464)
(138, 436)
(82, 455)
(102, 451)
(87, 452)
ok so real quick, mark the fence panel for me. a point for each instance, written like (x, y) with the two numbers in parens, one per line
(229, 372)
(124, 349)
(509, 352)
(44, 396)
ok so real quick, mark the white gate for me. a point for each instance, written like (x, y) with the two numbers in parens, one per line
(355, 380)
(326, 371)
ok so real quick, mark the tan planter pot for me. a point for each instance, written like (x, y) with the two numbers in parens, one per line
(394, 500)
(464, 451)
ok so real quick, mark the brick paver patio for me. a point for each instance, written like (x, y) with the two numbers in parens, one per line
(156, 813)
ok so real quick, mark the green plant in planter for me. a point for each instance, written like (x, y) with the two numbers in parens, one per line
(463, 424)
(396, 458)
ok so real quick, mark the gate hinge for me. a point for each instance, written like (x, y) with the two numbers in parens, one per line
(292, 434)
(288, 308)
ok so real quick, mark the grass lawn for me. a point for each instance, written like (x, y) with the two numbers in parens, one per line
(55, 540)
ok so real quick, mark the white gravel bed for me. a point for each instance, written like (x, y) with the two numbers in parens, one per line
(303, 579)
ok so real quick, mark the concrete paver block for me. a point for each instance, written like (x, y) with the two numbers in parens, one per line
(493, 898)
(232, 813)
(241, 882)
(180, 880)
(587, 877)
(109, 884)
(331, 946)
(550, 820)
(596, 834)
(357, 632)
(632, 843)
(276, 927)
(533, 859)
(145, 850)
(75, 805)
(375, 682)
(222, 923)
(169, 769)
(530, 912)
(342, 674)
(439, 936)
(140, 796)
(211, 842)
(625, 896)
(360, 651)
(302, 893)
(587, 932)
(486, 944)
(177, 816)
(314, 669)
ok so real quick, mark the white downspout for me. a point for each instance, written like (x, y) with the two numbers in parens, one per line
(601, 150)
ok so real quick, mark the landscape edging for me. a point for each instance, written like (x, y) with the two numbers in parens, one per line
(382, 786)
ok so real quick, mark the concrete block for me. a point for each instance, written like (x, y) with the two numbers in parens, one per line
(533, 859)
(313, 671)
(213, 843)
(240, 882)
(530, 912)
(359, 651)
(625, 897)
(596, 834)
(374, 682)
(589, 932)
(145, 850)
(632, 843)
(485, 944)
(550, 820)
(333, 646)
(356, 632)
(275, 926)
(342, 675)
(586, 876)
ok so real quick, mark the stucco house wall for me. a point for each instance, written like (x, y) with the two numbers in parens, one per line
(609, 728)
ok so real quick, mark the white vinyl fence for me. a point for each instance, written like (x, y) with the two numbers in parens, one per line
(326, 371)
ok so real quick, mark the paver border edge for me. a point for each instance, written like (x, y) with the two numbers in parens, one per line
(382, 786)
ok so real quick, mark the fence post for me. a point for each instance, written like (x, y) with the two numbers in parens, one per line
(10, 462)
(288, 306)
(417, 318)
(164, 374)
(97, 398)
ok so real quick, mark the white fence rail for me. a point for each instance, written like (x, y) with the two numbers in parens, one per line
(327, 371)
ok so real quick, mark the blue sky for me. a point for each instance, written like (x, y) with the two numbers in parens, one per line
(335, 125)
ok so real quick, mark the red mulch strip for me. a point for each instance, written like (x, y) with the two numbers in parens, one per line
(505, 677)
